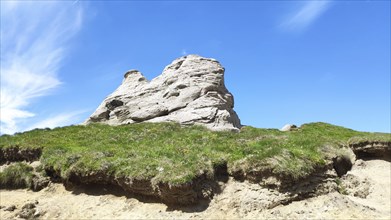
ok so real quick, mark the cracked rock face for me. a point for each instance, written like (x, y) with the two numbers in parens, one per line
(190, 90)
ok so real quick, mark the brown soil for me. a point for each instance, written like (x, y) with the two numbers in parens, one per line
(13, 154)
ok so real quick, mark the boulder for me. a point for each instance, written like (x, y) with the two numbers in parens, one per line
(288, 127)
(190, 90)
(39, 182)
(28, 211)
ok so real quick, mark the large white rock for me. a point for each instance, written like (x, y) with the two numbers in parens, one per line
(190, 90)
(288, 127)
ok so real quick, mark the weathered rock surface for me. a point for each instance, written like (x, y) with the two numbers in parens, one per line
(190, 90)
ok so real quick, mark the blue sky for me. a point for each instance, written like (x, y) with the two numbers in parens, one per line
(286, 61)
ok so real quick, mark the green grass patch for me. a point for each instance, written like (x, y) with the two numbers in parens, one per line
(170, 153)
(17, 175)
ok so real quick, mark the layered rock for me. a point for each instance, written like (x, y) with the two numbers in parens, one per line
(190, 90)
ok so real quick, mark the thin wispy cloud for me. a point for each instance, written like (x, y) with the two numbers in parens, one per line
(305, 15)
(34, 37)
(58, 120)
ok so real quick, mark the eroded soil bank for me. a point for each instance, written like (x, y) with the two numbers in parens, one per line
(367, 187)
(343, 188)
(200, 190)
(14, 154)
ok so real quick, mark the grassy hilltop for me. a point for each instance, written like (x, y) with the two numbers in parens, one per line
(170, 153)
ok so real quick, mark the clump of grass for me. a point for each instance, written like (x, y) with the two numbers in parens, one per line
(341, 188)
(17, 175)
(171, 153)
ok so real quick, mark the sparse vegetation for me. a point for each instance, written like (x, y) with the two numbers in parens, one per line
(170, 153)
(341, 187)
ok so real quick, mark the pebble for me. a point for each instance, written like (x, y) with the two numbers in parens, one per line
(29, 205)
(10, 208)
(37, 213)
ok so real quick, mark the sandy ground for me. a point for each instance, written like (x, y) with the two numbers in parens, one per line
(237, 201)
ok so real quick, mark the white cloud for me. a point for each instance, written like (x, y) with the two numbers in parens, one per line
(58, 120)
(34, 37)
(184, 52)
(305, 16)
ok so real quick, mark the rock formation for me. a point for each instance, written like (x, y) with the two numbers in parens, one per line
(288, 127)
(190, 90)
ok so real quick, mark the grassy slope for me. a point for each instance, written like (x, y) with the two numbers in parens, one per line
(167, 152)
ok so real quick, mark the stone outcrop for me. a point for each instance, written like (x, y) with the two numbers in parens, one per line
(190, 90)
(288, 127)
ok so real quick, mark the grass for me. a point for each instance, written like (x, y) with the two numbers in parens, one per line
(17, 175)
(170, 153)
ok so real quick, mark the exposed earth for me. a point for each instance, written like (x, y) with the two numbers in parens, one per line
(363, 193)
